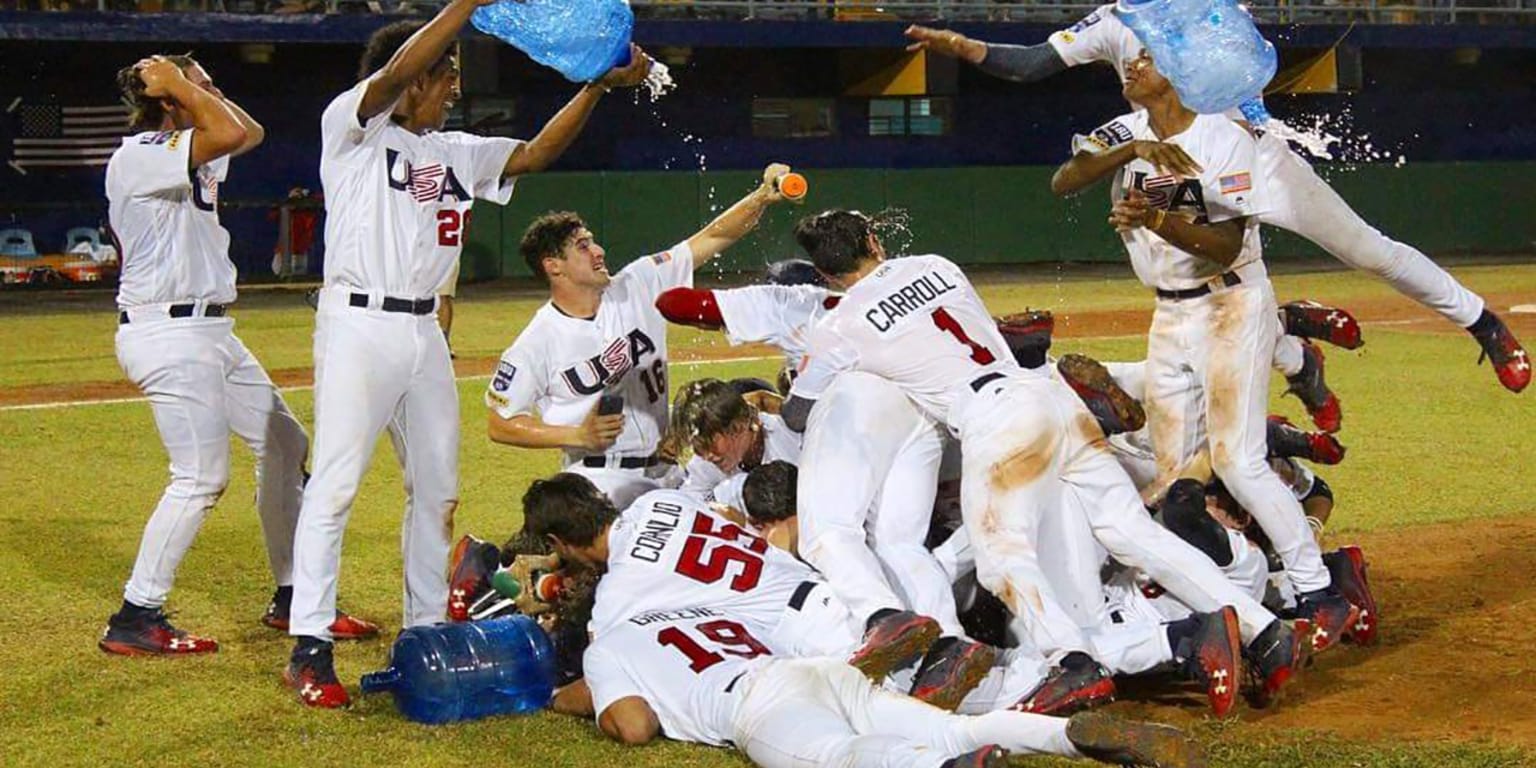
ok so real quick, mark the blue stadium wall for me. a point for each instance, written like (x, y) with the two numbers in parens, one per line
(1455, 103)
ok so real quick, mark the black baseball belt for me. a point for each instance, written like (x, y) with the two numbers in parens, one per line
(184, 310)
(983, 380)
(628, 462)
(392, 304)
(1227, 279)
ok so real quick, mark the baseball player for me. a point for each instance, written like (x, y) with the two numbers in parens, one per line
(1300, 201)
(780, 313)
(588, 375)
(1029, 444)
(729, 434)
(703, 674)
(175, 342)
(1187, 201)
(398, 190)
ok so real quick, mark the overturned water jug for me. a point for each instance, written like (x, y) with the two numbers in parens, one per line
(581, 39)
(1209, 49)
(451, 672)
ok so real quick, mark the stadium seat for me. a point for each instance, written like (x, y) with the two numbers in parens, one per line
(17, 244)
(77, 235)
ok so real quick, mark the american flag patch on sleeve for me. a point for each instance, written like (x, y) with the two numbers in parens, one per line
(661, 258)
(1234, 183)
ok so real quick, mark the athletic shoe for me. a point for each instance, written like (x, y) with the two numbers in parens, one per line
(345, 627)
(1510, 362)
(1272, 659)
(893, 641)
(990, 756)
(1311, 320)
(1286, 440)
(471, 565)
(951, 670)
(1115, 409)
(1330, 615)
(1213, 657)
(1347, 566)
(148, 632)
(1309, 387)
(312, 672)
(1070, 689)
(1028, 335)
(1106, 738)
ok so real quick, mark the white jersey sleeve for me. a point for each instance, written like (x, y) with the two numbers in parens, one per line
(1099, 36)
(827, 354)
(774, 314)
(1121, 130)
(153, 164)
(342, 134)
(1231, 182)
(658, 272)
(481, 159)
(521, 379)
(701, 478)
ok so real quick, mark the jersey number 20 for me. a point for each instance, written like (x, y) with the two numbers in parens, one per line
(450, 226)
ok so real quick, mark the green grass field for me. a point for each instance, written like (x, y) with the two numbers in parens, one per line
(1432, 438)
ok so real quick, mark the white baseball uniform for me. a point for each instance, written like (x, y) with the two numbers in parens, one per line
(711, 680)
(559, 366)
(1299, 200)
(781, 315)
(174, 343)
(396, 207)
(1207, 373)
(1029, 444)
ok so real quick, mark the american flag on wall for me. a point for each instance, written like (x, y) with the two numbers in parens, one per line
(53, 136)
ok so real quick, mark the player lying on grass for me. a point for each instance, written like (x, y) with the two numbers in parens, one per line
(598, 337)
(1300, 201)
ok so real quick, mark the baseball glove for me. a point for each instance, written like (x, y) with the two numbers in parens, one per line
(1028, 334)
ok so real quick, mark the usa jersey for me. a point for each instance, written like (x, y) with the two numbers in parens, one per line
(915, 321)
(397, 203)
(687, 664)
(1099, 36)
(669, 551)
(560, 365)
(781, 315)
(1229, 186)
(165, 218)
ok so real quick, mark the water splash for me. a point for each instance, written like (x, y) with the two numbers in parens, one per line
(658, 82)
(894, 228)
(1331, 137)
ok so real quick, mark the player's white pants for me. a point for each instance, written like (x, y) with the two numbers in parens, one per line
(868, 472)
(1208, 385)
(1303, 203)
(623, 486)
(1031, 446)
(377, 370)
(203, 384)
(810, 713)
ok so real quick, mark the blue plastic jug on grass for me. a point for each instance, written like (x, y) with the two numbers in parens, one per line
(1209, 49)
(451, 672)
(581, 39)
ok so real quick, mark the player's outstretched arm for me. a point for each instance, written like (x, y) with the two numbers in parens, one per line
(218, 130)
(544, 149)
(737, 220)
(1086, 168)
(414, 58)
(1019, 63)
(695, 307)
(255, 134)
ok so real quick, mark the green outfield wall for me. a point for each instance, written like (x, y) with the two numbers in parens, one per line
(987, 215)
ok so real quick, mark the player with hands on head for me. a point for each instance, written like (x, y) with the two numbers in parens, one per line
(175, 342)
(398, 192)
(600, 338)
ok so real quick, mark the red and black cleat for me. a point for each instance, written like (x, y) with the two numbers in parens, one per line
(1329, 616)
(894, 640)
(470, 567)
(1028, 335)
(1510, 361)
(1311, 320)
(345, 627)
(312, 673)
(147, 632)
(1309, 387)
(1347, 566)
(1272, 659)
(1070, 688)
(1115, 409)
(989, 756)
(1286, 440)
(951, 670)
(1215, 658)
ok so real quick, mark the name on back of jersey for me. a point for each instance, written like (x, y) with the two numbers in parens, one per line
(685, 614)
(910, 298)
(661, 521)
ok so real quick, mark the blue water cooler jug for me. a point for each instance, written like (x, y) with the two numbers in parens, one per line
(1209, 49)
(581, 39)
(450, 672)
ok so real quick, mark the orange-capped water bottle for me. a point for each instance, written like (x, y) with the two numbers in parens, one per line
(792, 186)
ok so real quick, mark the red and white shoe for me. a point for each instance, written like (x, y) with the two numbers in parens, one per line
(1311, 320)
(1347, 567)
(1309, 387)
(1510, 361)
(312, 673)
(345, 627)
(151, 634)
(1215, 659)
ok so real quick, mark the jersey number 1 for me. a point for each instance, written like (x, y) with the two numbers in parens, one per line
(450, 226)
(947, 323)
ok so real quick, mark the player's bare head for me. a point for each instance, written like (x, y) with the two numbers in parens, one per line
(427, 101)
(1143, 83)
(719, 425)
(769, 493)
(838, 242)
(569, 512)
(559, 248)
(148, 113)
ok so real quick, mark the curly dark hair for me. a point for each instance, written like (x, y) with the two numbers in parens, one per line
(545, 237)
(769, 492)
(569, 506)
(835, 240)
(385, 42)
(148, 112)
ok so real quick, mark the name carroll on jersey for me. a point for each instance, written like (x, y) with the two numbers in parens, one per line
(910, 298)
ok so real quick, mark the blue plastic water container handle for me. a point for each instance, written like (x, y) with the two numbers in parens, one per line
(383, 680)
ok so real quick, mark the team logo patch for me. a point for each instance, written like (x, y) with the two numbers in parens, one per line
(661, 258)
(1066, 37)
(1234, 183)
(1114, 134)
(616, 358)
(502, 381)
